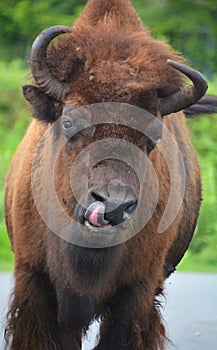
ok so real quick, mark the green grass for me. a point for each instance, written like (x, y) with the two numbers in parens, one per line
(13, 122)
(197, 262)
(14, 118)
(202, 255)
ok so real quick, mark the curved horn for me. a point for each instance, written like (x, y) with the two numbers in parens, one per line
(185, 97)
(39, 66)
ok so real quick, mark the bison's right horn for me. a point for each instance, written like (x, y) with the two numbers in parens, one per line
(39, 66)
(187, 96)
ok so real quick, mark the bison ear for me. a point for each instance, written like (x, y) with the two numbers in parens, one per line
(45, 107)
(206, 105)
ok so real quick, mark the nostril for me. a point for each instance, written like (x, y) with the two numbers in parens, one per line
(130, 209)
(98, 197)
(117, 213)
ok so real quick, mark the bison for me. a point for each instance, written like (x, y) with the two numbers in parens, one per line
(94, 256)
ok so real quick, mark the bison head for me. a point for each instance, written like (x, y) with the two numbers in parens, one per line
(96, 95)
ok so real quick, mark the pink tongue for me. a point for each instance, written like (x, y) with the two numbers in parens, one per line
(95, 215)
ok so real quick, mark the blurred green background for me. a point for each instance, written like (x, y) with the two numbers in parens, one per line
(189, 26)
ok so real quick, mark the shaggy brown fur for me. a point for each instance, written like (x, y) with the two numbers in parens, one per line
(59, 287)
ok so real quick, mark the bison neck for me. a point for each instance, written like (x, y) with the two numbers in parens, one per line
(86, 269)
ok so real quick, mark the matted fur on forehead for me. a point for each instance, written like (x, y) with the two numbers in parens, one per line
(135, 55)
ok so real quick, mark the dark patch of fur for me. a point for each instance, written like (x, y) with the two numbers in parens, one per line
(92, 266)
(75, 311)
(45, 107)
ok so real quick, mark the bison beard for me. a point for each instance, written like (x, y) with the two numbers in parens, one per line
(107, 56)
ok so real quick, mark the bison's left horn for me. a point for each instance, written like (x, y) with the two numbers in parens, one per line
(187, 96)
(39, 66)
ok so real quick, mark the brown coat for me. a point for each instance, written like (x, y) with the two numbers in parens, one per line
(61, 287)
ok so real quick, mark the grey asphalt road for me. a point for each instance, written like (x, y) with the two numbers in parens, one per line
(189, 311)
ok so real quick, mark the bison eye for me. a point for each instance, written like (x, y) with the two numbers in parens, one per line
(67, 124)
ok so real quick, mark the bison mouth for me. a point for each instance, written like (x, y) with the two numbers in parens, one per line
(100, 216)
(104, 222)
(95, 216)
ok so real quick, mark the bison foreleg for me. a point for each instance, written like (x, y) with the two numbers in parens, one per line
(32, 318)
(75, 313)
(132, 322)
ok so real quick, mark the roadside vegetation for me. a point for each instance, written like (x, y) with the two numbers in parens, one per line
(19, 27)
(13, 122)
